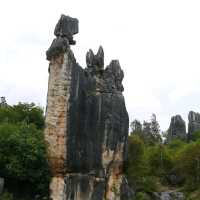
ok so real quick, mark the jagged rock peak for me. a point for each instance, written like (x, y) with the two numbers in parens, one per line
(66, 27)
(107, 80)
(177, 128)
(96, 61)
(64, 31)
(115, 75)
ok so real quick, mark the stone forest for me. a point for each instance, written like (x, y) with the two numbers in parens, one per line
(82, 148)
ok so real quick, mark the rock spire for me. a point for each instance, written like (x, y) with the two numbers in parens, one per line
(86, 122)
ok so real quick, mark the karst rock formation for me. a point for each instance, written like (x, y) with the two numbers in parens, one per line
(193, 124)
(177, 129)
(86, 122)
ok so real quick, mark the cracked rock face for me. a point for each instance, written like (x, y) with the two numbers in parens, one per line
(86, 123)
(194, 123)
(177, 128)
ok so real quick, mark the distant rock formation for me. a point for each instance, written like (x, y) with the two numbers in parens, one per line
(194, 123)
(177, 129)
(86, 123)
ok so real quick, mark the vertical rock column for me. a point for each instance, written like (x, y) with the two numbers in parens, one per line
(56, 117)
(61, 60)
(86, 122)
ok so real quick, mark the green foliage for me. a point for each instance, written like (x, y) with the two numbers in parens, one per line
(23, 154)
(149, 132)
(153, 166)
(195, 136)
(188, 163)
(22, 147)
(136, 127)
(22, 112)
(136, 149)
(159, 160)
(137, 168)
(135, 164)
(176, 145)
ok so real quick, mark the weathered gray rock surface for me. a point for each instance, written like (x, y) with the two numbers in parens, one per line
(86, 123)
(194, 123)
(64, 31)
(177, 129)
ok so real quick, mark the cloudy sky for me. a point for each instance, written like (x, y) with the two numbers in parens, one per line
(156, 41)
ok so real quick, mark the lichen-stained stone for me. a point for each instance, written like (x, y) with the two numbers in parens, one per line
(86, 123)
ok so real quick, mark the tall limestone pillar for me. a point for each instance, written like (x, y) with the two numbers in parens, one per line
(86, 122)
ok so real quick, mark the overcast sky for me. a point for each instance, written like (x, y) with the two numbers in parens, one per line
(156, 41)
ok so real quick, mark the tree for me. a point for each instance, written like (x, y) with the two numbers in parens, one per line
(155, 129)
(146, 129)
(22, 112)
(23, 155)
(136, 127)
(151, 131)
